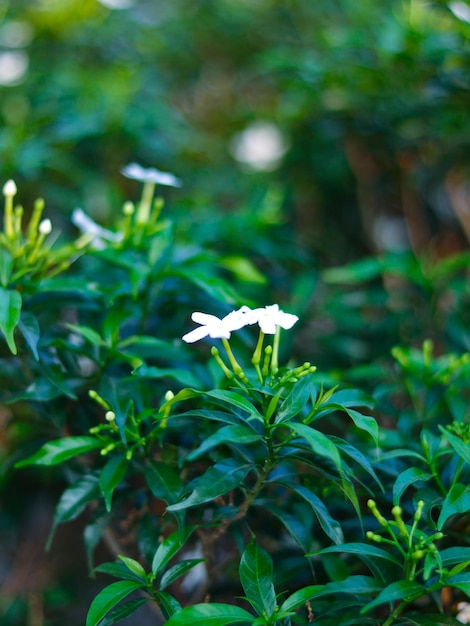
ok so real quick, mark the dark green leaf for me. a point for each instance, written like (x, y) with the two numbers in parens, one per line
(168, 548)
(319, 442)
(163, 481)
(456, 501)
(111, 475)
(256, 577)
(184, 378)
(61, 450)
(122, 611)
(134, 566)
(330, 526)
(216, 481)
(10, 312)
(300, 597)
(74, 500)
(118, 570)
(462, 448)
(407, 478)
(407, 590)
(210, 615)
(234, 434)
(29, 328)
(177, 570)
(295, 401)
(108, 598)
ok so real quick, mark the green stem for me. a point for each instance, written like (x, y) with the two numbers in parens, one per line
(143, 212)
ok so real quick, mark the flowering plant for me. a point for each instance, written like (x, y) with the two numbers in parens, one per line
(240, 475)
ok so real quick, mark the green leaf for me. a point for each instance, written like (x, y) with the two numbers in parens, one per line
(359, 549)
(363, 422)
(216, 481)
(10, 312)
(108, 598)
(29, 328)
(232, 434)
(295, 527)
(163, 481)
(119, 570)
(184, 378)
(330, 526)
(168, 604)
(407, 478)
(407, 590)
(122, 611)
(73, 501)
(134, 566)
(87, 333)
(179, 569)
(213, 614)
(427, 619)
(168, 548)
(61, 450)
(256, 577)
(319, 442)
(456, 501)
(295, 401)
(457, 554)
(235, 399)
(6, 266)
(462, 448)
(300, 597)
(357, 272)
(111, 475)
(460, 581)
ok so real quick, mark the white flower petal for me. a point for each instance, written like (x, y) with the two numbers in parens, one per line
(151, 174)
(286, 320)
(205, 318)
(196, 334)
(88, 226)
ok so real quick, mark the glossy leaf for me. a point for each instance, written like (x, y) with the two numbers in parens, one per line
(213, 614)
(61, 450)
(111, 476)
(408, 477)
(168, 548)
(319, 442)
(178, 570)
(295, 401)
(163, 481)
(216, 481)
(462, 448)
(256, 577)
(400, 590)
(29, 327)
(74, 500)
(456, 501)
(108, 598)
(235, 434)
(122, 611)
(300, 597)
(10, 312)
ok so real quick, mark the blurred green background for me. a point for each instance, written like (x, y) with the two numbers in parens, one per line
(307, 133)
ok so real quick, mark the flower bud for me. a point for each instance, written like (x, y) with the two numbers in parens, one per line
(9, 188)
(45, 227)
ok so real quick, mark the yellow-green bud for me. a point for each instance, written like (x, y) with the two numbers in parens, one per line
(169, 395)
(110, 416)
(128, 208)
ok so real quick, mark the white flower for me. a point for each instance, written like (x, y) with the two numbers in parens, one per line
(270, 317)
(215, 327)
(151, 174)
(89, 227)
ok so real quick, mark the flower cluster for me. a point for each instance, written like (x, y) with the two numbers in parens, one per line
(268, 318)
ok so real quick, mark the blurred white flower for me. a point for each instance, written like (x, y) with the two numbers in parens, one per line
(463, 614)
(117, 4)
(269, 317)
(151, 175)
(89, 227)
(13, 67)
(45, 227)
(214, 327)
(460, 10)
(9, 188)
(261, 146)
